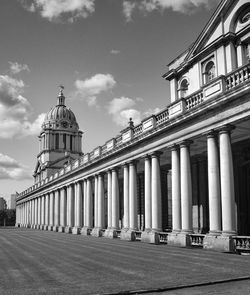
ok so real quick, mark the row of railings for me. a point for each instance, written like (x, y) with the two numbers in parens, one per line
(153, 123)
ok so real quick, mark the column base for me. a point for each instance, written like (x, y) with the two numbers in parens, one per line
(110, 233)
(85, 231)
(96, 232)
(55, 228)
(68, 230)
(220, 243)
(179, 239)
(150, 237)
(128, 235)
(40, 227)
(50, 228)
(37, 226)
(76, 230)
(61, 229)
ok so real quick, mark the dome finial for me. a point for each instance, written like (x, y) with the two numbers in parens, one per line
(61, 97)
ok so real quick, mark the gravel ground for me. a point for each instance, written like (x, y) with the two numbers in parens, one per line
(41, 262)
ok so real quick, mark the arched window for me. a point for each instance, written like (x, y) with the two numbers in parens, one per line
(183, 88)
(209, 72)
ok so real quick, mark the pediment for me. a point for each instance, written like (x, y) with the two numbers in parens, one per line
(230, 17)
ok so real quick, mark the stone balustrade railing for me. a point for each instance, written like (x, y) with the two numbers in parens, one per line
(163, 237)
(242, 244)
(197, 240)
(237, 77)
(153, 123)
(138, 235)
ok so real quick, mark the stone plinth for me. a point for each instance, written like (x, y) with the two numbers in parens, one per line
(96, 232)
(68, 230)
(61, 229)
(50, 227)
(45, 227)
(110, 233)
(85, 231)
(76, 230)
(150, 237)
(179, 239)
(128, 235)
(55, 228)
(219, 243)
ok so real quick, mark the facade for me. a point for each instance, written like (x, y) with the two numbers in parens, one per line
(3, 204)
(181, 176)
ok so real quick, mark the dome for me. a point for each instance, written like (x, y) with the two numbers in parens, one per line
(60, 116)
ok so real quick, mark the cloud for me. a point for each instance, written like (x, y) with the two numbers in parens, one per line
(114, 51)
(16, 68)
(61, 10)
(147, 6)
(90, 88)
(15, 110)
(12, 169)
(121, 111)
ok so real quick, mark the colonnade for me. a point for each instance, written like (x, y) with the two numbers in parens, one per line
(80, 206)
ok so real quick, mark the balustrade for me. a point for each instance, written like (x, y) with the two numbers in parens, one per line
(242, 244)
(194, 100)
(237, 77)
(197, 240)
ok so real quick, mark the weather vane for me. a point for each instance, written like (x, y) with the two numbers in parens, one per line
(61, 89)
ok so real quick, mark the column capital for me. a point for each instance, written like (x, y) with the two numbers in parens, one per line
(186, 143)
(132, 162)
(156, 154)
(114, 169)
(174, 147)
(226, 129)
(211, 133)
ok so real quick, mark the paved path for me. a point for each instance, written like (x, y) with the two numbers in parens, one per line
(40, 262)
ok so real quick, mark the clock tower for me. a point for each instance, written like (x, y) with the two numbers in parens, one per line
(60, 140)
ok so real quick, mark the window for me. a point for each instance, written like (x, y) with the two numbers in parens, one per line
(71, 142)
(208, 71)
(183, 89)
(57, 141)
(64, 141)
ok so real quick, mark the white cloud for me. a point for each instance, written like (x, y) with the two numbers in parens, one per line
(15, 110)
(12, 169)
(57, 10)
(128, 9)
(90, 88)
(121, 111)
(114, 51)
(182, 6)
(16, 68)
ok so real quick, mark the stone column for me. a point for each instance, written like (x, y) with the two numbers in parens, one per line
(78, 208)
(227, 183)
(56, 210)
(213, 185)
(70, 209)
(84, 202)
(133, 197)
(176, 189)
(148, 201)
(33, 213)
(39, 212)
(51, 211)
(96, 202)
(63, 206)
(126, 197)
(42, 212)
(186, 188)
(46, 212)
(109, 189)
(99, 206)
(88, 211)
(115, 200)
(156, 193)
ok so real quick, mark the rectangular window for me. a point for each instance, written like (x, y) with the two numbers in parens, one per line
(71, 142)
(57, 141)
(64, 141)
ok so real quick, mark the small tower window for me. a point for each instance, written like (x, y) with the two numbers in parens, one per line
(57, 141)
(71, 142)
(64, 141)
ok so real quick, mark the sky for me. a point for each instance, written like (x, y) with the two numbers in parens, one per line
(110, 56)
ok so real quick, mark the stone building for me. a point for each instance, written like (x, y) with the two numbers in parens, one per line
(180, 176)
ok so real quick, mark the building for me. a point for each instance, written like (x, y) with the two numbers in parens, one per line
(11, 204)
(180, 176)
(3, 204)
